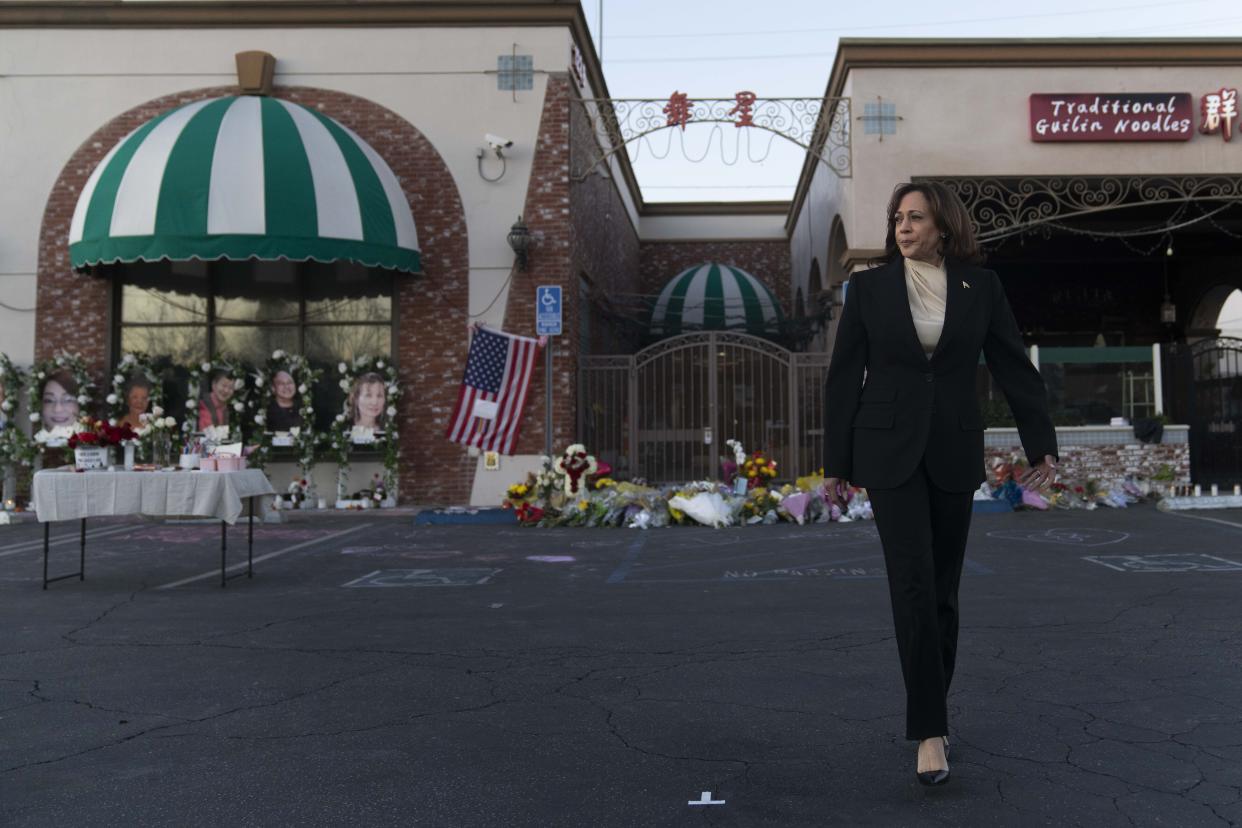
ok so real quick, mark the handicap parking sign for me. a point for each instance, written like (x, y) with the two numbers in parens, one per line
(548, 310)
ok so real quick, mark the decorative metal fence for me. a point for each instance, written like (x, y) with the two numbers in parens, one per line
(665, 413)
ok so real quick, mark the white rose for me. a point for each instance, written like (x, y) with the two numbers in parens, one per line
(340, 418)
(82, 399)
(294, 431)
(308, 410)
(239, 384)
(118, 379)
(6, 406)
(169, 422)
(342, 368)
(112, 398)
(157, 411)
(392, 411)
(392, 388)
(302, 388)
(190, 403)
(34, 416)
(112, 421)
(379, 364)
(42, 375)
(344, 385)
(259, 419)
(278, 354)
(258, 382)
(238, 406)
(206, 366)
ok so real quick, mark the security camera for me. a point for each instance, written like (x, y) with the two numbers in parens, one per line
(497, 143)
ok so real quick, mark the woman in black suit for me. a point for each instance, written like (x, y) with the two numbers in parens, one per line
(912, 434)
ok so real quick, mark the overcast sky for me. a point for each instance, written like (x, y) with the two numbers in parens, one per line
(778, 48)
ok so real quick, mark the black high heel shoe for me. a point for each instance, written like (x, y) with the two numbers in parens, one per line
(936, 777)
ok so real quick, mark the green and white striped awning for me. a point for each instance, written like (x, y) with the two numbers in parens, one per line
(243, 178)
(715, 297)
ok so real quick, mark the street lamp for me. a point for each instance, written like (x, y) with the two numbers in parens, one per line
(520, 240)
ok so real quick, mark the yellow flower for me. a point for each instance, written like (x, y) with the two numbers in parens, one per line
(582, 505)
(605, 482)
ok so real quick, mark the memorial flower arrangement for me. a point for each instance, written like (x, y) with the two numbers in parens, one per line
(200, 380)
(68, 399)
(263, 397)
(549, 497)
(16, 448)
(346, 433)
(757, 469)
(94, 432)
(1004, 472)
(130, 366)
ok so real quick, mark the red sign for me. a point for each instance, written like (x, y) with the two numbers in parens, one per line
(1112, 116)
(1219, 111)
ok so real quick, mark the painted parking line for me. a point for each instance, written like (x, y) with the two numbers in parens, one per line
(1232, 523)
(215, 573)
(30, 546)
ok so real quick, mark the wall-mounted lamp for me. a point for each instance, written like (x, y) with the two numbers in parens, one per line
(520, 240)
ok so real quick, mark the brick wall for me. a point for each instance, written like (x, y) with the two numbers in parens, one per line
(767, 261)
(73, 311)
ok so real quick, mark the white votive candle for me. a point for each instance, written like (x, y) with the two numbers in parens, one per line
(1214, 491)
(1198, 490)
(1237, 490)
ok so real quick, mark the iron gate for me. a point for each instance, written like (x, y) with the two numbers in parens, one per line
(1213, 370)
(665, 413)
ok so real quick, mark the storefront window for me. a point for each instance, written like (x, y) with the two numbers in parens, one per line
(1090, 386)
(188, 311)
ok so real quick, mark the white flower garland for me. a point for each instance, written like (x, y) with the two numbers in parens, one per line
(56, 437)
(237, 405)
(304, 436)
(344, 436)
(15, 446)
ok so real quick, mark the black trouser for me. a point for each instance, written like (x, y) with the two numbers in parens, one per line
(923, 530)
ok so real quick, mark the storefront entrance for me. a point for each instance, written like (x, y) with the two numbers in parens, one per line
(664, 414)
(1212, 372)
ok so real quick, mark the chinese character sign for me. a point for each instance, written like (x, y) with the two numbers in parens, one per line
(678, 109)
(1219, 111)
(744, 103)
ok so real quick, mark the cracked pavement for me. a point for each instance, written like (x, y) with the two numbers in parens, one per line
(614, 687)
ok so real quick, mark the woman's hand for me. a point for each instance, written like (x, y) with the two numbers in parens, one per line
(838, 489)
(1037, 477)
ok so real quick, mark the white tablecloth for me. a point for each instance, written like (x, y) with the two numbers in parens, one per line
(62, 494)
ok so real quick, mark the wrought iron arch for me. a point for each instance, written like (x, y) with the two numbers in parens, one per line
(821, 126)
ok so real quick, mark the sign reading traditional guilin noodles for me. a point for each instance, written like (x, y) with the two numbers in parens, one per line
(1112, 116)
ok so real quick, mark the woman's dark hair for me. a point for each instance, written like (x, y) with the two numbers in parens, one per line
(947, 213)
(136, 381)
(65, 379)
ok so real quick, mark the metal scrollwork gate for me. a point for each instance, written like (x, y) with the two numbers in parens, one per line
(665, 413)
(1215, 410)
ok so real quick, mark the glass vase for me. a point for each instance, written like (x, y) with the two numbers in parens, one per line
(161, 446)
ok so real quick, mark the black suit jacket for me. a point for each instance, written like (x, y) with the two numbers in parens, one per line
(912, 406)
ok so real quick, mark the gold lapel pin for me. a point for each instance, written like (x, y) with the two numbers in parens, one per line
(964, 284)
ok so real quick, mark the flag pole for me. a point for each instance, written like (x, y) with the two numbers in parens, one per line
(547, 381)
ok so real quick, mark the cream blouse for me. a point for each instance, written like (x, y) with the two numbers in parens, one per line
(927, 287)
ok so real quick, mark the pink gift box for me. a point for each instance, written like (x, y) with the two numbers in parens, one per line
(226, 463)
(207, 463)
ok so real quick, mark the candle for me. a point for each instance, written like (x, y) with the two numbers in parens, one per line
(323, 503)
(1198, 490)
(9, 505)
(276, 504)
(1214, 492)
(1237, 490)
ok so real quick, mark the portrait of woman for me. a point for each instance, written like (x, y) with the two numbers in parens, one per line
(137, 401)
(912, 434)
(60, 400)
(282, 412)
(213, 403)
(368, 400)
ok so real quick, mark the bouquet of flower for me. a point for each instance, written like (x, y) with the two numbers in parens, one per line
(758, 470)
(99, 433)
(154, 422)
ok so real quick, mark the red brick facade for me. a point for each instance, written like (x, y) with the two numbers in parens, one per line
(431, 309)
(767, 261)
(582, 235)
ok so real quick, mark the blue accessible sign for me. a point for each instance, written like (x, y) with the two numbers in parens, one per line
(548, 310)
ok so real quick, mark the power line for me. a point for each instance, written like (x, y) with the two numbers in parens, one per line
(884, 26)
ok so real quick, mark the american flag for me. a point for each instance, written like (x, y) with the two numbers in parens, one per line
(493, 391)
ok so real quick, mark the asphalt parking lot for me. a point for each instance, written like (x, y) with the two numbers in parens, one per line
(374, 673)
